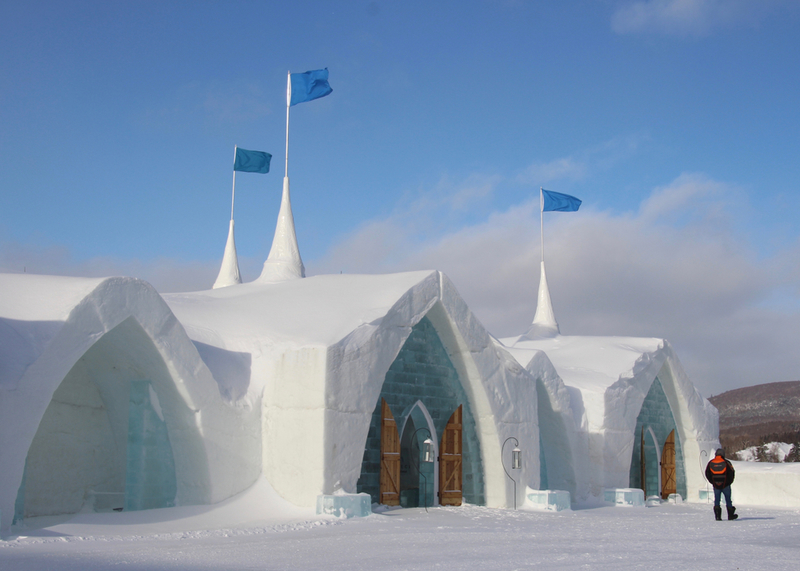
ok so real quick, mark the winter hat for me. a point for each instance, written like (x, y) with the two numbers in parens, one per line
(721, 452)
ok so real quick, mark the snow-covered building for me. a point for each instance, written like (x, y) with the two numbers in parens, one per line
(113, 397)
(614, 412)
(116, 397)
(607, 402)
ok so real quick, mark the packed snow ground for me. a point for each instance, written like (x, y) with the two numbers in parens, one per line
(257, 531)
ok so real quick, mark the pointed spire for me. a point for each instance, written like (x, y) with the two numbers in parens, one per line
(283, 262)
(229, 272)
(544, 322)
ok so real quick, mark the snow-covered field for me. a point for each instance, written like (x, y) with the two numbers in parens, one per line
(258, 531)
(777, 450)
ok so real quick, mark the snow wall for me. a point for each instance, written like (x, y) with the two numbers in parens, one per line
(291, 391)
(74, 349)
(765, 484)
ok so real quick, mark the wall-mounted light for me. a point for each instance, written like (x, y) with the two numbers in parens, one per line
(516, 459)
(427, 450)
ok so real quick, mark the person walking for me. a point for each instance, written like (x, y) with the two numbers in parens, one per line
(720, 473)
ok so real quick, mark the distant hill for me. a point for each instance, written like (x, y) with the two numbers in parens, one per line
(752, 416)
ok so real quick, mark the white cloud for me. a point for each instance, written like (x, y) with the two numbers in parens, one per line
(598, 158)
(164, 274)
(696, 283)
(691, 17)
(678, 268)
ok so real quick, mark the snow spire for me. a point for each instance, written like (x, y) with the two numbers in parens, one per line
(229, 272)
(544, 321)
(283, 262)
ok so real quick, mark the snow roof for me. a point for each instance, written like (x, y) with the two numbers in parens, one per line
(33, 309)
(31, 297)
(587, 363)
(315, 311)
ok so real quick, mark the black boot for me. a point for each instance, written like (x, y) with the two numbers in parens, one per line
(717, 513)
(732, 513)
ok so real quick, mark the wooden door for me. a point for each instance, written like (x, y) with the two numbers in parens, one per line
(643, 467)
(669, 483)
(450, 493)
(390, 458)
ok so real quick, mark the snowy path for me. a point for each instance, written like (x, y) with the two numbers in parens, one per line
(674, 537)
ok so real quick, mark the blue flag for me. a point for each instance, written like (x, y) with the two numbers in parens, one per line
(557, 202)
(309, 86)
(251, 161)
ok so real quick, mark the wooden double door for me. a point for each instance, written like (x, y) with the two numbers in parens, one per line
(450, 460)
(669, 480)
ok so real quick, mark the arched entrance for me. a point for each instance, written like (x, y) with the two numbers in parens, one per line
(657, 465)
(417, 477)
(423, 373)
(103, 440)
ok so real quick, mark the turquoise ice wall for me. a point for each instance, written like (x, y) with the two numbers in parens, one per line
(423, 371)
(543, 482)
(150, 477)
(655, 413)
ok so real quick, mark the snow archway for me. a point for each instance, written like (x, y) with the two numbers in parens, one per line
(105, 435)
(83, 350)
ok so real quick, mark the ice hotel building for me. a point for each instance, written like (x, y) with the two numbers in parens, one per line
(113, 396)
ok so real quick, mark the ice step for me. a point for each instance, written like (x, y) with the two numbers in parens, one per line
(345, 505)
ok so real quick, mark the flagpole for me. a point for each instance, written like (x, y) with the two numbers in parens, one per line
(233, 192)
(541, 220)
(288, 102)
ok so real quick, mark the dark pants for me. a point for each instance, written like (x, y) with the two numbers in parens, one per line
(727, 492)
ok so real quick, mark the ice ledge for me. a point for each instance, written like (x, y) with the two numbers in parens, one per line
(345, 505)
(551, 500)
(631, 497)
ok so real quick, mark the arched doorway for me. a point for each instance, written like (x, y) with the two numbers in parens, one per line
(103, 441)
(655, 426)
(417, 477)
(423, 373)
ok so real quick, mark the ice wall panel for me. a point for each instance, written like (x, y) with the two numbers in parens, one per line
(150, 477)
(73, 451)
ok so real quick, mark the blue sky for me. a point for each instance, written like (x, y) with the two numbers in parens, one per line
(675, 121)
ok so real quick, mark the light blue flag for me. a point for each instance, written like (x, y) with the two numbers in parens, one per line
(251, 161)
(557, 202)
(309, 86)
